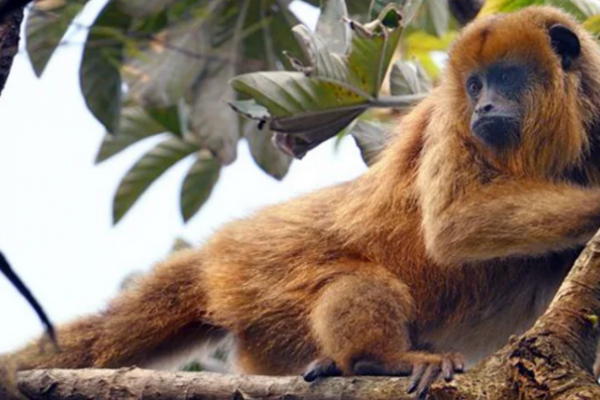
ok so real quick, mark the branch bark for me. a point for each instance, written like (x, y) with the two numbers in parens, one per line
(143, 384)
(10, 24)
(553, 360)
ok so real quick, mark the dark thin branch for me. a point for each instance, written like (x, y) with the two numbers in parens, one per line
(9, 42)
(403, 101)
(11, 16)
(14, 279)
(8, 6)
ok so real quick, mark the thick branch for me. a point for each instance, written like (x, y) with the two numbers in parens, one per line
(136, 383)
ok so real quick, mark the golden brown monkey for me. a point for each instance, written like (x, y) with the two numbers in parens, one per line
(455, 239)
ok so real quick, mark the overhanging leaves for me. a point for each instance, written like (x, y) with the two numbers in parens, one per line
(162, 73)
(274, 162)
(135, 124)
(406, 79)
(213, 125)
(99, 74)
(377, 6)
(330, 92)
(331, 27)
(370, 138)
(47, 22)
(144, 8)
(149, 168)
(198, 184)
(581, 9)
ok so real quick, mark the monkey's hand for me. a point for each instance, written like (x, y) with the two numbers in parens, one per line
(423, 369)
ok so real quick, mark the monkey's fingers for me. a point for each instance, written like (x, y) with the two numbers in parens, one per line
(458, 361)
(415, 378)
(426, 369)
(447, 369)
(321, 368)
(432, 372)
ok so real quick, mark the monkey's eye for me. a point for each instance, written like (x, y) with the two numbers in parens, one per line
(474, 86)
(508, 77)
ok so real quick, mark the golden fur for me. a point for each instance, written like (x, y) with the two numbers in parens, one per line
(442, 246)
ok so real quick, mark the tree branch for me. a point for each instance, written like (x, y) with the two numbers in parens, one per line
(136, 383)
(9, 42)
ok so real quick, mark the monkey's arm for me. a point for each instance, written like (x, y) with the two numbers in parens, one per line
(512, 218)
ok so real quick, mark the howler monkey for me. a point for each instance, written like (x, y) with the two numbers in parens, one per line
(455, 239)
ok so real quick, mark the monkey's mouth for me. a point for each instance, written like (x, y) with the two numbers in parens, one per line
(497, 131)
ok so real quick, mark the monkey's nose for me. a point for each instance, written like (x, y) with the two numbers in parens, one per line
(484, 109)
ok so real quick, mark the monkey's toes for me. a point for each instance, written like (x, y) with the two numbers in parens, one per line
(321, 368)
(427, 369)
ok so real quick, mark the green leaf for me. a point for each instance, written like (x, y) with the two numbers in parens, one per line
(377, 6)
(212, 124)
(168, 118)
(332, 27)
(146, 170)
(99, 74)
(330, 93)
(250, 109)
(296, 135)
(268, 157)
(370, 138)
(438, 13)
(160, 75)
(496, 6)
(193, 366)
(289, 93)
(404, 79)
(356, 8)
(370, 58)
(324, 63)
(592, 24)
(422, 42)
(144, 8)
(180, 244)
(283, 41)
(419, 45)
(580, 9)
(198, 185)
(134, 125)
(45, 26)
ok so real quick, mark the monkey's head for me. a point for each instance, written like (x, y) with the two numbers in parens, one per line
(527, 88)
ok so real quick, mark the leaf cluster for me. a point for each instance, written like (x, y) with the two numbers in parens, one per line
(162, 67)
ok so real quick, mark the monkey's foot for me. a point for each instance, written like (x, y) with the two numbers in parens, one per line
(423, 369)
(321, 368)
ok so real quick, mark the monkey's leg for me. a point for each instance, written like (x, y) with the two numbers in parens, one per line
(361, 326)
(141, 325)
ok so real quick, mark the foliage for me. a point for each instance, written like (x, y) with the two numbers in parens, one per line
(162, 68)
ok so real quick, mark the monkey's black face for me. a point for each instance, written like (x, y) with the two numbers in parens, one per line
(495, 94)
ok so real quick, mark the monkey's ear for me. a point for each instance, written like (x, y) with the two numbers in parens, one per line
(565, 43)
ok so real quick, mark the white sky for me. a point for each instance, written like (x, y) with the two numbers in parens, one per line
(55, 204)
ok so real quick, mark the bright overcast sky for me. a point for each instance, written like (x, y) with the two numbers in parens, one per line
(55, 206)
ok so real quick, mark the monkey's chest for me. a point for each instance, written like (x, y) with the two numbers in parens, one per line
(484, 325)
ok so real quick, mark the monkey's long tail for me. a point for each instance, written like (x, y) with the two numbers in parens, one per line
(161, 314)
